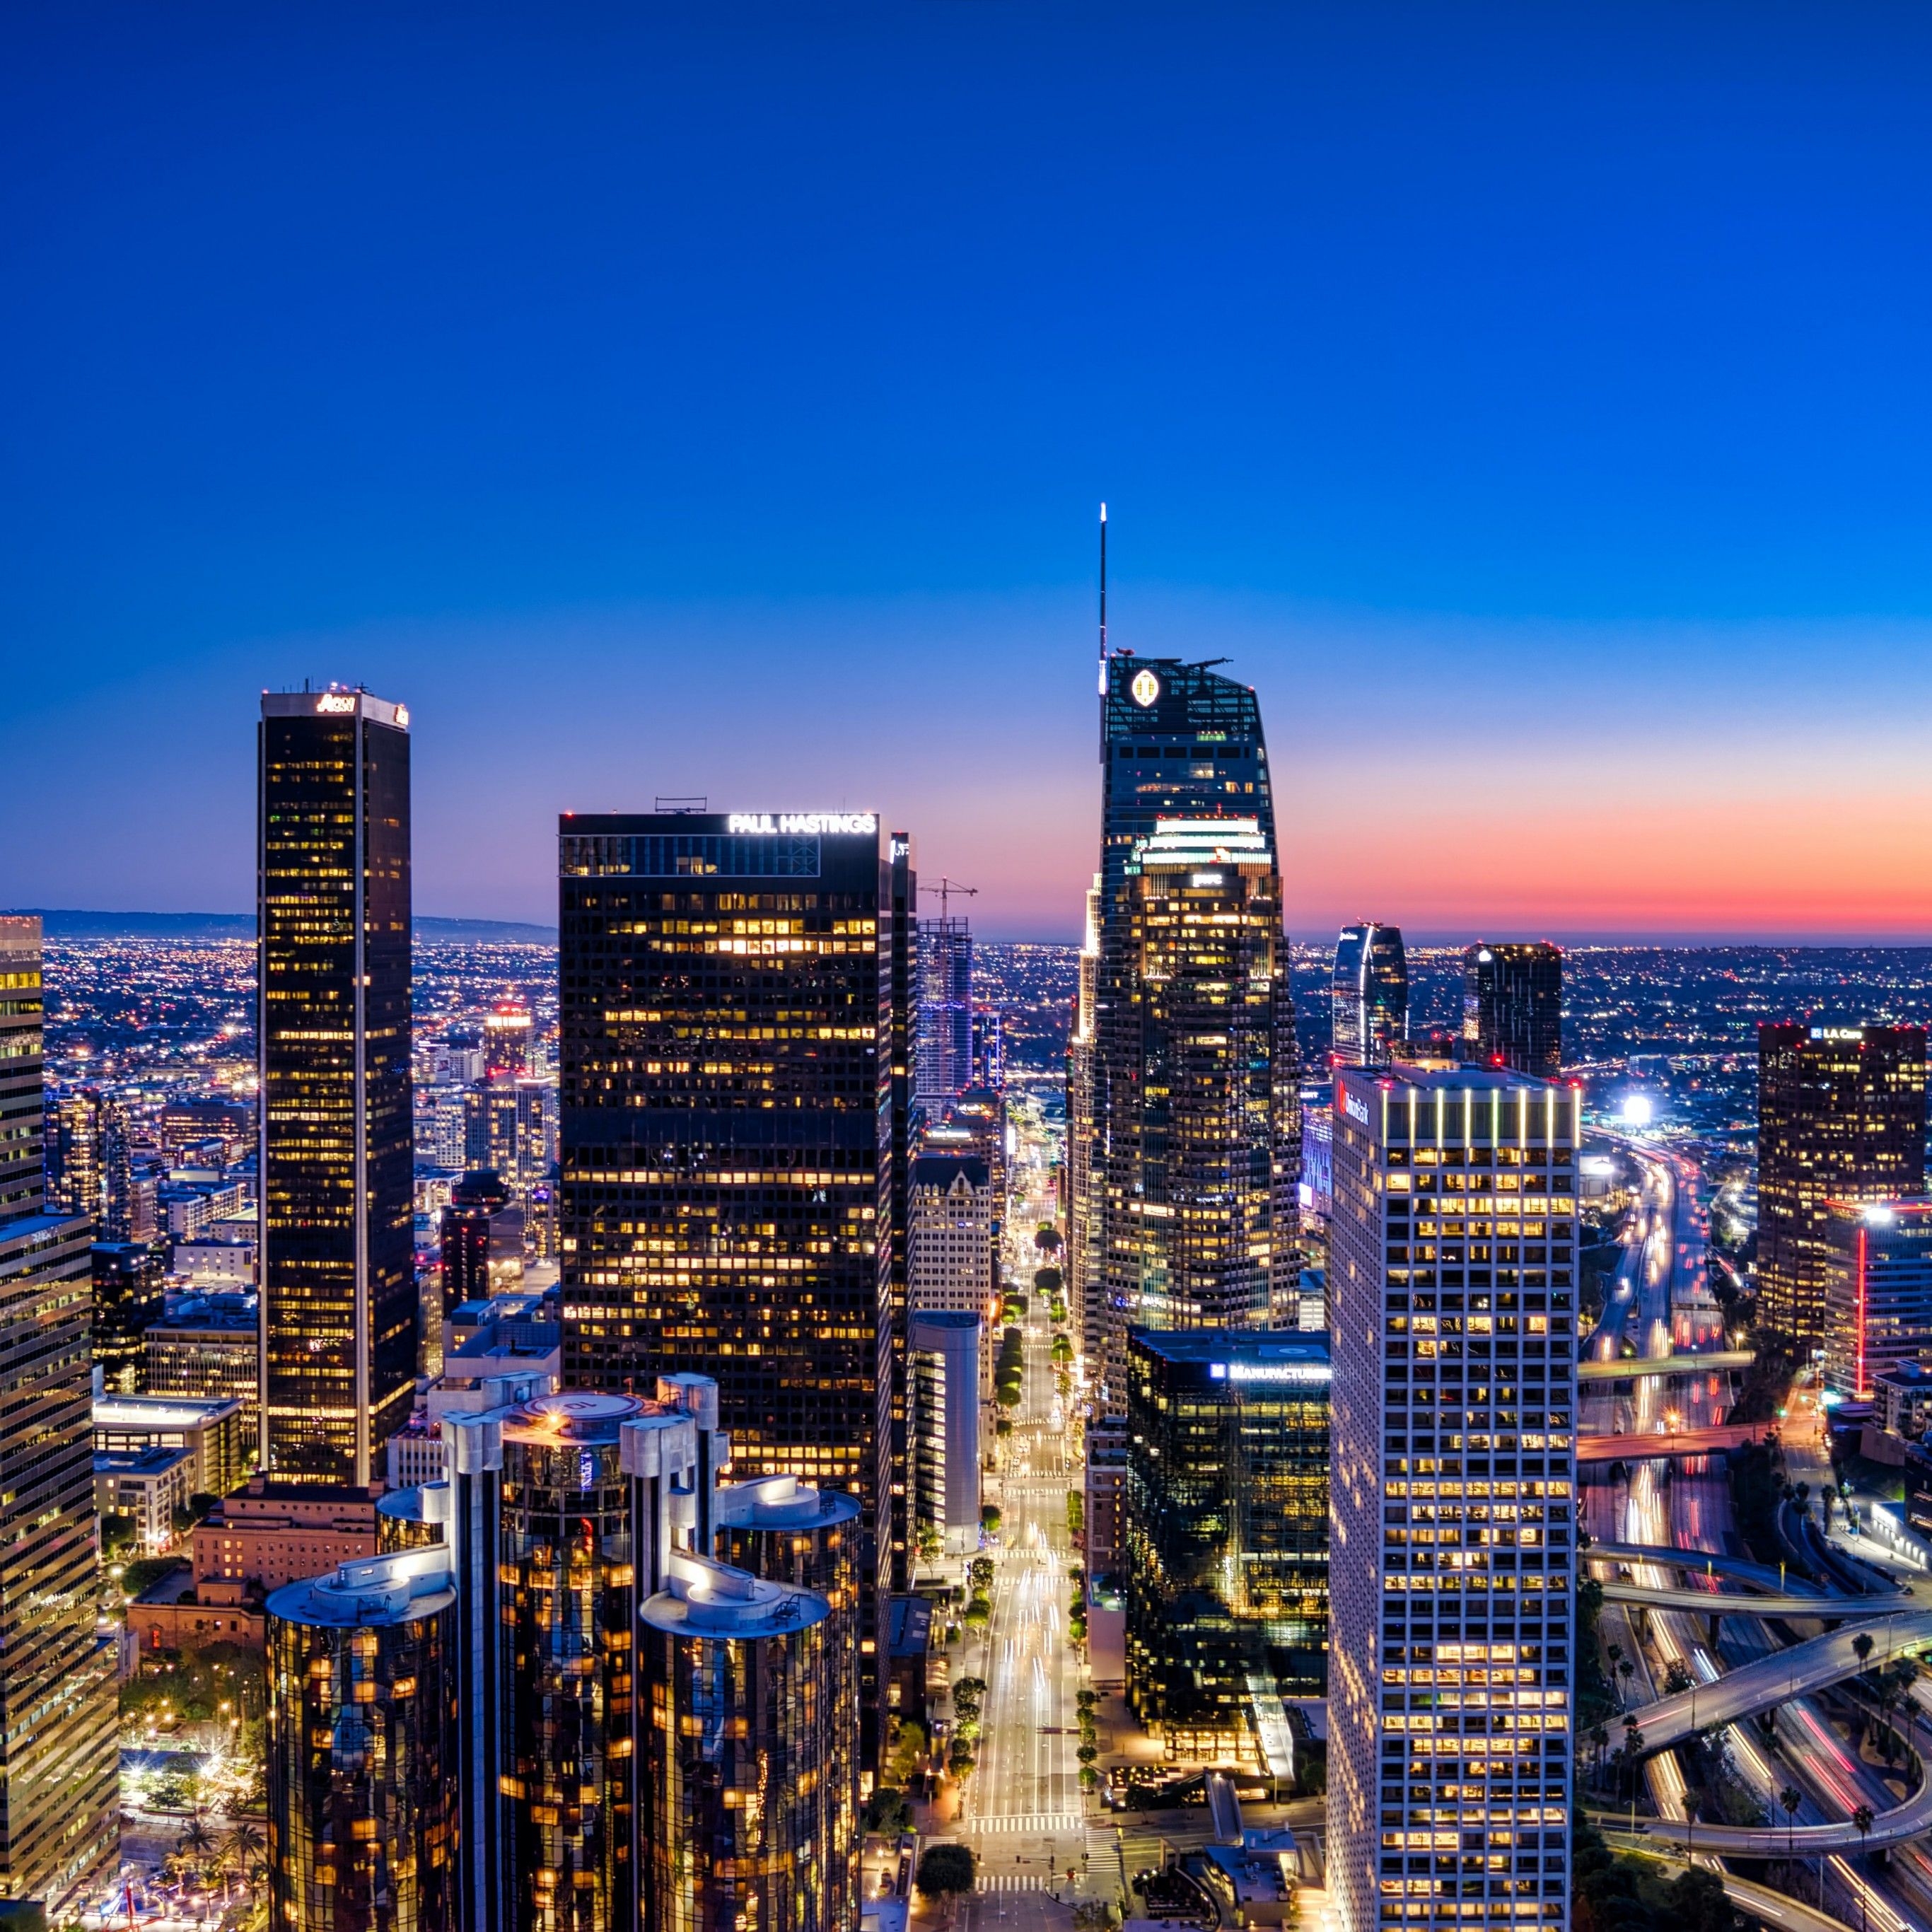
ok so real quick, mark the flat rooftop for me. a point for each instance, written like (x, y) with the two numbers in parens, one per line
(1234, 1345)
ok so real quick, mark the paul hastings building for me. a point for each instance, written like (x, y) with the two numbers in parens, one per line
(730, 988)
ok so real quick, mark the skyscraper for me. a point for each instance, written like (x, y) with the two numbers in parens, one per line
(1512, 1007)
(1171, 1119)
(1840, 1114)
(364, 1703)
(733, 1041)
(1878, 1291)
(337, 1280)
(93, 1162)
(1083, 1206)
(1225, 1530)
(945, 1009)
(59, 1728)
(1370, 994)
(1452, 1275)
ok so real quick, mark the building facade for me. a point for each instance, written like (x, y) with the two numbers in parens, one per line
(1512, 1007)
(947, 1349)
(128, 1300)
(362, 1735)
(945, 1023)
(731, 1015)
(1193, 1175)
(59, 1726)
(1878, 1291)
(1452, 1276)
(337, 1278)
(950, 1261)
(1840, 1115)
(1225, 1532)
(1369, 996)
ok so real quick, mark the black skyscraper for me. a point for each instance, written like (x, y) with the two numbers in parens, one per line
(1513, 1008)
(735, 1061)
(338, 1286)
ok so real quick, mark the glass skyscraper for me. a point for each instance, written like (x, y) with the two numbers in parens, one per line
(1452, 1278)
(1181, 746)
(337, 1270)
(1370, 995)
(59, 1726)
(945, 1064)
(1226, 1529)
(736, 1051)
(1841, 1116)
(1512, 1007)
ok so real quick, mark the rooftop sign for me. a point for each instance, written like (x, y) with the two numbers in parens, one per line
(814, 824)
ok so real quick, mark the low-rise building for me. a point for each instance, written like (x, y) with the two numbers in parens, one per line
(171, 1615)
(261, 1538)
(1902, 1399)
(146, 1485)
(209, 1428)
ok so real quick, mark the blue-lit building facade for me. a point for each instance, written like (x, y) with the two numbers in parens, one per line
(1225, 1530)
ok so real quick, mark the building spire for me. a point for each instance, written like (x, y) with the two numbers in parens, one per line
(1103, 600)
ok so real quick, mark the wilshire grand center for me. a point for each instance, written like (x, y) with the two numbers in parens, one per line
(733, 1064)
(1183, 1089)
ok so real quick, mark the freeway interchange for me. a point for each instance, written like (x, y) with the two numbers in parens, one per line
(1680, 1600)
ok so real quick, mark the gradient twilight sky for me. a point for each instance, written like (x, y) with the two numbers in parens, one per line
(1534, 402)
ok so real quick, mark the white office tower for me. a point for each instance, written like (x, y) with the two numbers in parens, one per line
(1452, 1281)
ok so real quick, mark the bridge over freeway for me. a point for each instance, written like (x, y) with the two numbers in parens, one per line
(1811, 1666)
(1711, 1441)
(1624, 1368)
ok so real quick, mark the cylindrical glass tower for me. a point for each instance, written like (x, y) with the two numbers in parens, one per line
(412, 1519)
(362, 1748)
(568, 1597)
(743, 1757)
(790, 1533)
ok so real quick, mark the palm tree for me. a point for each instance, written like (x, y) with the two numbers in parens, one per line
(1600, 1737)
(196, 1837)
(1790, 1798)
(1626, 1670)
(1862, 1818)
(246, 1840)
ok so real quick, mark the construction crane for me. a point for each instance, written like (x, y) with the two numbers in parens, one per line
(949, 886)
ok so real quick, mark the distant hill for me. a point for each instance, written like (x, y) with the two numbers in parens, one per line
(60, 924)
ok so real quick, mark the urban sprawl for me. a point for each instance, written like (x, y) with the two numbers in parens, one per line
(767, 1412)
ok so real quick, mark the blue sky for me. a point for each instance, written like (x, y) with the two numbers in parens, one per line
(1534, 402)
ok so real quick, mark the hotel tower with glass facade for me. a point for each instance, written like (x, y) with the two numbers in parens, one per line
(1186, 1126)
(1452, 1275)
(337, 1266)
(735, 1061)
(59, 1726)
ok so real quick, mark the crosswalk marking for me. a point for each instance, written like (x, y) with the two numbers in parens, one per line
(1010, 1881)
(1026, 1821)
